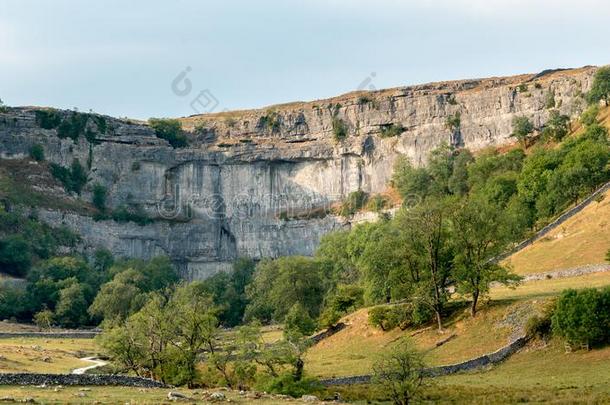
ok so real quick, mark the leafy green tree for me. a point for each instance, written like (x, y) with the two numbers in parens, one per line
(479, 234)
(333, 255)
(120, 297)
(410, 181)
(229, 291)
(400, 373)
(600, 89)
(557, 127)
(458, 181)
(71, 309)
(582, 317)
(15, 255)
(522, 130)
(433, 253)
(194, 327)
(298, 321)
(44, 319)
(279, 284)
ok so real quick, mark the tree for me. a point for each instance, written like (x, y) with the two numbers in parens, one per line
(557, 127)
(432, 250)
(15, 255)
(410, 181)
(600, 89)
(71, 310)
(400, 373)
(479, 234)
(99, 197)
(522, 129)
(582, 317)
(194, 327)
(279, 284)
(298, 321)
(44, 319)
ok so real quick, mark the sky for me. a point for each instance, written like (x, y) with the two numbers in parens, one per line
(171, 58)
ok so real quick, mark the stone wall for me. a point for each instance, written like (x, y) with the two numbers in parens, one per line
(77, 379)
(469, 365)
(49, 335)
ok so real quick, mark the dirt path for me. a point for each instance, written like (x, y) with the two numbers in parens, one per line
(96, 363)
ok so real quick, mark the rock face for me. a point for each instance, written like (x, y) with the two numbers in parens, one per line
(260, 183)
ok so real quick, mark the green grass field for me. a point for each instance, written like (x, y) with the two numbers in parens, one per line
(40, 355)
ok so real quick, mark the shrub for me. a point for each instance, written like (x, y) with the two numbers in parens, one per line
(600, 90)
(44, 319)
(522, 88)
(73, 179)
(354, 202)
(589, 116)
(286, 384)
(270, 121)
(99, 197)
(385, 318)
(170, 130)
(377, 203)
(550, 100)
(454, 122)
(522, 129)
(73, 126)
(391, 130)
(583, 317)
(339, 129)
(364, 100)
(133, 214)
(48, 119)
(37, 152)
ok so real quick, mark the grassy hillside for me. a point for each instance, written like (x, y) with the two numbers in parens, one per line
(353, 350)
(582, 239)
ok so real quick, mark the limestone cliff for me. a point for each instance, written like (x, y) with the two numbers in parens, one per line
(259, 183)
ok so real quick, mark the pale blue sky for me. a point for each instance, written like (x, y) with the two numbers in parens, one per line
(120, 57)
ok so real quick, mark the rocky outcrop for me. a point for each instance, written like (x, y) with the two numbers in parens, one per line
(261, 183)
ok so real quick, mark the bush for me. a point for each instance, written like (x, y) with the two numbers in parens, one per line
(48, 119)
(170, 130)
(385, 318)
(600, 90)
(134, 214)
(353, 203)
(339, 129)
(583, 317)
(73, 179)
(73, 126)
(37, 152)
(391, 130)
(454, 122)
(99, 197)
(589, 116)
(286, 384)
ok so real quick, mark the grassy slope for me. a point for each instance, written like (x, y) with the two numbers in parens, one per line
(582, 239)
(353, 350)
(29, 354)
